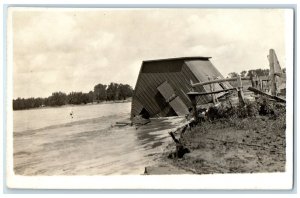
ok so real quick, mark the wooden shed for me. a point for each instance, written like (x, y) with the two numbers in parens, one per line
(162, 85)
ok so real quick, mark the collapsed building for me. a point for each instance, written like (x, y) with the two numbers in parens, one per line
(162, 86)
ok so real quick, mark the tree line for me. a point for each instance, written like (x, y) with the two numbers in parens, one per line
(101, 92)
(256, 72)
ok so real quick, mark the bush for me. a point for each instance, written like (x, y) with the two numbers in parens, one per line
(262, 106)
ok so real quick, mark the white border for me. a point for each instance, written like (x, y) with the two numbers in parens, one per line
(216, 181)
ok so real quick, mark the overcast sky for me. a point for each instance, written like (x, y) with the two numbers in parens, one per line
(73, 50)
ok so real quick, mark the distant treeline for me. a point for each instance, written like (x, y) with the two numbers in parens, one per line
(111, 92)
(257, 72)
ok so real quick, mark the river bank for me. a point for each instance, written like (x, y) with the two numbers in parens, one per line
(254, 144)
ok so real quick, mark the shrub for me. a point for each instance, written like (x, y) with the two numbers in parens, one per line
(262, 106)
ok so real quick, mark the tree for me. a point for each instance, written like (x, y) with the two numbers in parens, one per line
(125, 91)
(233, 75)
(100, 92)
(75, 98)
(28, 103)
(18, 104)
(91, 96)
(57, 99)
(259, 72)
(243, 73)
(112, 91)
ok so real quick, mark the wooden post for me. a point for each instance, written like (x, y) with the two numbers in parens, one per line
(252, 79)
(180, 148)
(260, 84)
(212, 89)
(240, 91)
(272, 72)
(278, 99)
(194, 105)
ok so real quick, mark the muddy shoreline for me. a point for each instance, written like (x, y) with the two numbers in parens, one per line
(254, 144)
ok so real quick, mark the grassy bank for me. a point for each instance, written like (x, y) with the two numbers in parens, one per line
(236, 140)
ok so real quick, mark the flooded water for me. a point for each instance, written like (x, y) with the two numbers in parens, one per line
(50, 141)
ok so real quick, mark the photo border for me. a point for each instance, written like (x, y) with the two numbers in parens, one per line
(241, 6)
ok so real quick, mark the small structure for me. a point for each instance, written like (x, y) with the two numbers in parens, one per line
(162, 86)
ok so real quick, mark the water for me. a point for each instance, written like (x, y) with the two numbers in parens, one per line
(39, 118)
(50, 142)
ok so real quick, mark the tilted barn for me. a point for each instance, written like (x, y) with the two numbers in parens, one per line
(162, 85)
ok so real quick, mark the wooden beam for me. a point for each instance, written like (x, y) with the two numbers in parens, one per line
(218, 81)
(206, 93)
(265, 94)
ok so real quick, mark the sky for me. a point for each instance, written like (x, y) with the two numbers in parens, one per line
(75, 49)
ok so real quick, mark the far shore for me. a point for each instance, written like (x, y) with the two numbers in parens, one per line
(72, 105)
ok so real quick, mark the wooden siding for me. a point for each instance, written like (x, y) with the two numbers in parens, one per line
(204, 69)
(166, 91)
(147, 94)
(174, 101)
(179, 107)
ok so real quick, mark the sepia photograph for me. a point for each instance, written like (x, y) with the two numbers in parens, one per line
(149, 92)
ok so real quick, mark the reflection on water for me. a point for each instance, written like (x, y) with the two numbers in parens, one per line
(52, 144)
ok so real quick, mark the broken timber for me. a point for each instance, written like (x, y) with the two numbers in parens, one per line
(180, 149)
(265, 94)
(239, 88)
(213, 92)
(218, 81)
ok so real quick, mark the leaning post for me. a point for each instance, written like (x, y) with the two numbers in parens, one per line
(240, 90)
(272, 72)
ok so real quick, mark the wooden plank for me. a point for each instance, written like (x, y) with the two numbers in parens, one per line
(207, 93)
(179, 107)
(218, 81)
(166, 91)
(175, 102)
(265, 94)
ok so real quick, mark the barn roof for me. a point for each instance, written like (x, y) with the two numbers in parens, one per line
(179, 58)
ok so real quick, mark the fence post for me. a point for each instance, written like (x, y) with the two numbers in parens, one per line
(260, 84)
(212, 88)
(252, 79)
(194, 105)
(272, 72)
(240, 91)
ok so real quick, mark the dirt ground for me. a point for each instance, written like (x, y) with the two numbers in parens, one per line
(249, 145)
